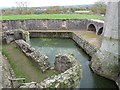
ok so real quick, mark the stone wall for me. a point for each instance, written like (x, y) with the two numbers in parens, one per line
(11, 35)
(38, 58)
(45, 24)
(70, 78)
(98, 24)
(6, 72)
(85, 45)
(51, 34)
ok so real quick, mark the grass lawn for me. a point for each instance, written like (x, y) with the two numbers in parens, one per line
(52, 16)
(22, 66)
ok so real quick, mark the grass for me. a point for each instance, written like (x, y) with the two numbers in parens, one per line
(89, 35)
(22, 66)
(52, 16)
(92, 38)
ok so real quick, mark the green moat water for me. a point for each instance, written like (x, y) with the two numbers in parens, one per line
(54, 46)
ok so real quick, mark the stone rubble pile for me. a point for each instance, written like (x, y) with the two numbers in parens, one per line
(70, 78)
(63, 63)
(40, 60)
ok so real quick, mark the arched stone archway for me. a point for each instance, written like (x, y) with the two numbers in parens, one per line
(100, 31)
(92, 27)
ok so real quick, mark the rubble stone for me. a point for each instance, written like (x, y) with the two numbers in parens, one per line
(40, 59)
(11, 35)
(68, 79)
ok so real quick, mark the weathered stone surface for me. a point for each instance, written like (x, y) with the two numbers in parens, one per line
(118, 81)
(98, 24)
(30, 85)
(51, 34)
(11, 35)
(52, 24)
(6, 72)
(63, 63)
(40, 59)
(68, 79)
(45, 24)
(106, 61)
(89, 49)
(105, 64)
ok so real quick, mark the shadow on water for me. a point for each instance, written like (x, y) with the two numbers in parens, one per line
(54, 46)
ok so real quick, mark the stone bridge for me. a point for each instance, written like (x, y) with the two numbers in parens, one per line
(95, 25)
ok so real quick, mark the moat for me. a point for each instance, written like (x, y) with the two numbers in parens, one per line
(54, 46)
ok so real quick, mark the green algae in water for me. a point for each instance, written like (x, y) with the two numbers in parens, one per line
(54, 46)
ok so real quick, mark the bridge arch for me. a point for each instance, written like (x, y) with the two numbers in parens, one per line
(100, 31)
(91, 27)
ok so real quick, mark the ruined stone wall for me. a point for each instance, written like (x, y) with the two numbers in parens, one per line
(45, 24)
(6, 72)
(11, 35)
(86, 46)
(38, 58)
(70, 78)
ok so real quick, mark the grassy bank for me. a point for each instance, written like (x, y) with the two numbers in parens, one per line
(52, 16)
(22, 66)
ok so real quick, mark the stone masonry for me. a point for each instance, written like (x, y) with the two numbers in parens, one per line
(106, 61)
(38, 58)
(11, 35)
(63, 63)
(52, 24)
(70, 78)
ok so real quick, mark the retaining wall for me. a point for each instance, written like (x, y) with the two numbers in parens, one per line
(51, 34)
(45, 24)
(86, 46)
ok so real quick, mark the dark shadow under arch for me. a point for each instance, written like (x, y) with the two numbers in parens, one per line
(92, 27)
(20, 36)
(100, 31)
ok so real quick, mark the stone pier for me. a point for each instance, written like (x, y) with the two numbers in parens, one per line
(106, 62)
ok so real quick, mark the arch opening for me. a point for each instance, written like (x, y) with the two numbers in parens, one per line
(92, 27)
(100, 31)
